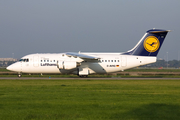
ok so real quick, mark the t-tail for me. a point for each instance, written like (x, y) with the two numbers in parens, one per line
(150, 43)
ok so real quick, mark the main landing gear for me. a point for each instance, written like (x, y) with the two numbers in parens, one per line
(83, 76)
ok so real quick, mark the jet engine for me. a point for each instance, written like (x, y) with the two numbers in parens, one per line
(67, 65)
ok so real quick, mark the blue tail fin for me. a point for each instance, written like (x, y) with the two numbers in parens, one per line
(150, 43)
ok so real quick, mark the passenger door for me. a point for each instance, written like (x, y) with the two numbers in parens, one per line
(36, 61)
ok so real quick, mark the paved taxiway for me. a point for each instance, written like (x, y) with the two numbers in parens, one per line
(114, 78)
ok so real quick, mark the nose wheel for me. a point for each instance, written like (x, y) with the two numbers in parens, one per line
(19, 75)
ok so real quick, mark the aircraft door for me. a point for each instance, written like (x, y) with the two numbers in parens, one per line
(21, 66)
(123, 61)
(36, 61)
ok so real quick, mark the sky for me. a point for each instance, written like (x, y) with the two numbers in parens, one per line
(55, 26)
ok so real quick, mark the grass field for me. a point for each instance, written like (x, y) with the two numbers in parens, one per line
(89, 99)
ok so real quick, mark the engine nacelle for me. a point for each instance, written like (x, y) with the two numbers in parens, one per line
(67, 65)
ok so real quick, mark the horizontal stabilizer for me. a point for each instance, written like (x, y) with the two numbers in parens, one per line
(157, 31)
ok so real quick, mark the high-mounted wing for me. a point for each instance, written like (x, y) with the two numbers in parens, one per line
(83, 56)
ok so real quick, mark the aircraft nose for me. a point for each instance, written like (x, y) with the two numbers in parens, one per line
(14, 67)
(10, 68)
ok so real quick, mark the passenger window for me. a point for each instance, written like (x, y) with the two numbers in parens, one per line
(47, 60)
(102, 60)
(114, 60)
(44, 60)
(105, 60)
(118, 60)
(111, 60)
(108, 60)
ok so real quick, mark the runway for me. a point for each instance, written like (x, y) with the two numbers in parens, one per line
(113, 78)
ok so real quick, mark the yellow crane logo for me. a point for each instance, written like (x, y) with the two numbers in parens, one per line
(151, 44)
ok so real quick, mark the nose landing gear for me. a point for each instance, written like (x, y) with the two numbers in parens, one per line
(19, 75)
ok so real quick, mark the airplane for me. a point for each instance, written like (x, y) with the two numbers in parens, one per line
(84, 64)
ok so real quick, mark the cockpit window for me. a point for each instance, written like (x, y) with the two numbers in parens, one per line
(21, 60)
(24, 60)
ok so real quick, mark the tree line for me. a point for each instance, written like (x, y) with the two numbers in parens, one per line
(164, 64)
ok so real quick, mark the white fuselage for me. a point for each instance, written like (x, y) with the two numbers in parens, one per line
(83, 64)
(107, 63)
